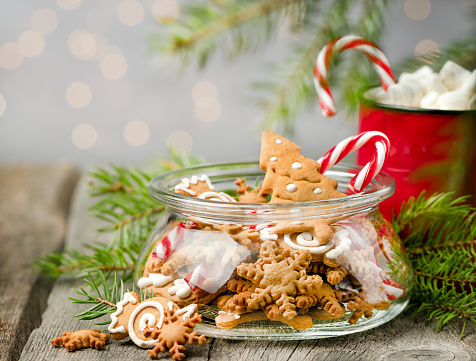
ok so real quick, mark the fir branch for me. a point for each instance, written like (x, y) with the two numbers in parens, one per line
(124, 203)
(437, 206)
(206, 24)
(439, 233)
(102, 296)
(296, 84)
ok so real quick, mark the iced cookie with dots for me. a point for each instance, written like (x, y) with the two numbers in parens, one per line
(201, 187)
(291, 177)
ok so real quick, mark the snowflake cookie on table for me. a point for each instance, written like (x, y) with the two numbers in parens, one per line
(73, 341)
(155, 323)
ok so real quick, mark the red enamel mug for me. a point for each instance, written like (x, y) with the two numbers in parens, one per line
(432, 150)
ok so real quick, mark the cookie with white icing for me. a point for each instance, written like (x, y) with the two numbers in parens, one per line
(132, 317)
(201, 187)
(291, 177)
(179, 292)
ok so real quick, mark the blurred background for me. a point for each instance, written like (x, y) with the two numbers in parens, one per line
(98, 81)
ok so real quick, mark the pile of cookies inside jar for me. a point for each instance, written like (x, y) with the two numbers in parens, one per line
(296, 271)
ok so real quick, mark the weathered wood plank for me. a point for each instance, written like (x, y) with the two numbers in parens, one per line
(34, 204)
(400, 339)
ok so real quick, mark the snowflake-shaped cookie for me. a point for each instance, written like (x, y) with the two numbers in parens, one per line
(279, 277)
(175, 332)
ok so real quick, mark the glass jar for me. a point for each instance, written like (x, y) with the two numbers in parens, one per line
(209, 252)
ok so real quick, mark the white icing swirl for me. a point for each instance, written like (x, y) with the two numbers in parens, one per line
(146, 318)
(304, 243)
(186, 182)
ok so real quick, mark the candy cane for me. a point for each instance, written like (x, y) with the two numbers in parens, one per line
(371, 169)
(371, 50)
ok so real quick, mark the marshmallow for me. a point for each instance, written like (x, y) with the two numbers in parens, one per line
(470, 82)
(376, 94)
(432, 83)
(453, 76)
(409, 77)
(406, 94)
(472, 103)
(455, 100)
(430, 101)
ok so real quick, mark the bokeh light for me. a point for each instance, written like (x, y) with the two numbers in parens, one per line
(11, 56)
(417, 9)
(130, 12)
(109, 49)
(113, 66)
(84, 136)
(31, 43)
(137, 133)
(69, 4)
(180, 140)
(3, 105)
(82, 44)
(208, 113)
(204, 89)
(426, 46)
(78, 95)
(166, 11)
(44, 21)
(98, 20)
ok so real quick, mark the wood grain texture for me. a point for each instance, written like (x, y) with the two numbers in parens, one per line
(400, 339)
(34, 204)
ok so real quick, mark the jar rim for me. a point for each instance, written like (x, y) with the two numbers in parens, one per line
(161, 190)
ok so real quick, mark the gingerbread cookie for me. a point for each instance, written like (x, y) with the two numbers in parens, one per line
(248, 196)
(79, 339)
(180, 293)
(278, 277)
(290, 177)
(230, 320)
(174, 332)
(201, 187)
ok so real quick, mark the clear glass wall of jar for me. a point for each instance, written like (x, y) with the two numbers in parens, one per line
(250, 283)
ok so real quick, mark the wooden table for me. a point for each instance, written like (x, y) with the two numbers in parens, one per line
(34, 219)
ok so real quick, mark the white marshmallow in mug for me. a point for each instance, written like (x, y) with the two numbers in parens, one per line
(409, 77)
(455, 100)
(376, 94)
(406, 94)
(430, 101)
(453, 76)
(472, 103)
(470, 82)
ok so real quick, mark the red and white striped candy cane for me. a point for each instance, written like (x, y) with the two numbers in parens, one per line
(371, 169)
(321, 67)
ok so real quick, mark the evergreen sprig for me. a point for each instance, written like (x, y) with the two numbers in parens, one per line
(439, 234)
(237, 27)
(104, 302)
(123, 203)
